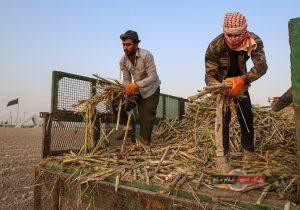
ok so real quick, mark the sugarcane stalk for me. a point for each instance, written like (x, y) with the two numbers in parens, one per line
(289, 185)
(101, 140)
(119, 114)
(162, 159)
(287, 205)
(263, 194)
(254, 187)
(209, 89)
(208, 186)
(191, 157)
(140, 143)
(146, 175)
(117, 183)
(199, 182)
(134, 174)
(126, 132)
(196, 197)
(176, 179)
(181, 181)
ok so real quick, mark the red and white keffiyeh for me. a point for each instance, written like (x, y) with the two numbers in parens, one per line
(236, 34)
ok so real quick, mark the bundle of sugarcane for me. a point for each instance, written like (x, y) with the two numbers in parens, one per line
(106, 91)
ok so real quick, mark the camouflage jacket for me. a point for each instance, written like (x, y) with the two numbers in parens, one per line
(217, 61)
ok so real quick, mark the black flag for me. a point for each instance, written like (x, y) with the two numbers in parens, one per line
(13, 102)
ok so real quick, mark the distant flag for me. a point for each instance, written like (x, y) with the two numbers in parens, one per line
(13, 102)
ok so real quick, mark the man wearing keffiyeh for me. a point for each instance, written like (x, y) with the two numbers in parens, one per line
(225, 61)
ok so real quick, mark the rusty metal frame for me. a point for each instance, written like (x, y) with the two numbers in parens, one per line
(46, 133)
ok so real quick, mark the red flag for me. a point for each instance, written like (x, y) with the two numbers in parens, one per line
(13, 102)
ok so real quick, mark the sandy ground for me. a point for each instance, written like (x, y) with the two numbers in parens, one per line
(20, 151)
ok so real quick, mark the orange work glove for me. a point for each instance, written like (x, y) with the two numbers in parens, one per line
(131, 88)
(238, 84)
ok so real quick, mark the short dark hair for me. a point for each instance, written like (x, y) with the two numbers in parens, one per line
(133, 35)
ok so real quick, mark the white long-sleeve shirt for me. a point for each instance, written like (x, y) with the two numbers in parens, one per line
(143, 72)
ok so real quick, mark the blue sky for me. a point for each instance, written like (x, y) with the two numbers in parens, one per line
(82, 37)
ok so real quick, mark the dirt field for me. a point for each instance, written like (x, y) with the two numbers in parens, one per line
(20, 150)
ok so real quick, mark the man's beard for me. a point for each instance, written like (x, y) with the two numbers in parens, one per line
(131, 53)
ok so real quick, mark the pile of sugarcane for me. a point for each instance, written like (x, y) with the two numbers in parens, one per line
(182, 154)
(274, 135)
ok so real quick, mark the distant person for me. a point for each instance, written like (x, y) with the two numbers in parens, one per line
(140, 77)
(225, 60)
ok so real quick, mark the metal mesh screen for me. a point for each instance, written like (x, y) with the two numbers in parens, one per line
(172, 107)
(70, 91)
(67, 135)
(159, 110)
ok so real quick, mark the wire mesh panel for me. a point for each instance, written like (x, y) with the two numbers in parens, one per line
(70, 91)
(67, 135)
(159, 110)
(172, 107)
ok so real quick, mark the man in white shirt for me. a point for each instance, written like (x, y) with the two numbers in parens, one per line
(140, 77)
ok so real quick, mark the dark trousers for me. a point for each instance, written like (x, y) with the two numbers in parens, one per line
(244, 108)
(147, 113)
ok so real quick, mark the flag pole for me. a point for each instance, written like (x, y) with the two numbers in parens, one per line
(10, 119)
(18, 111)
